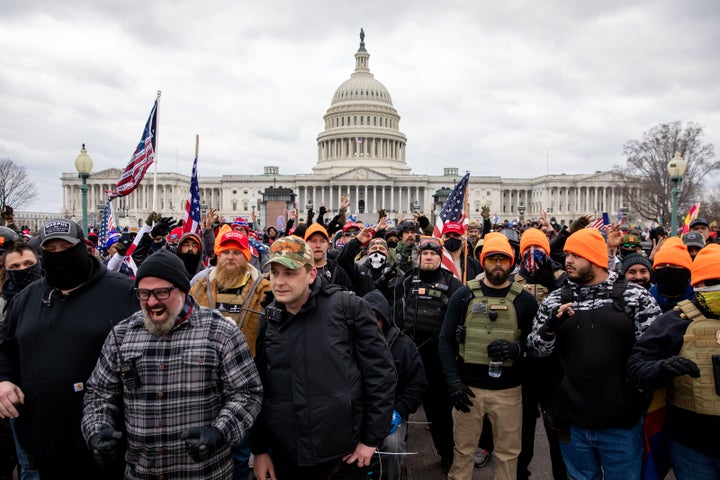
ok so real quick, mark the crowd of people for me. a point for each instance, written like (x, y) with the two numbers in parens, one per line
(302, 352)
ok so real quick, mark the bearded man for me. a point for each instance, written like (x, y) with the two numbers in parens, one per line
(234, 286)
(176, 378)
(592, 324)
(486, 322)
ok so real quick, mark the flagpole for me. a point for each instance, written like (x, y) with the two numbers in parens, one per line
(157, 143)
(466, 211)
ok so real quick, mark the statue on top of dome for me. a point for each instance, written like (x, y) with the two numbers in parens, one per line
(362, 35)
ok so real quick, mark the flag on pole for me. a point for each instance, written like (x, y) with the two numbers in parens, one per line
(452, 211)
(601, 223)
(191, 217)
(691, 215)
(107, 224)
(141, 159)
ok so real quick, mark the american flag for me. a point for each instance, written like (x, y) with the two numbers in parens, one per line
(107, 224)
(141, 159)
(452, 211)
(191, 218)
(601, 223)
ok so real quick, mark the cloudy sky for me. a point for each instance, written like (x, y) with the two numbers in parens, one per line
(513, 88)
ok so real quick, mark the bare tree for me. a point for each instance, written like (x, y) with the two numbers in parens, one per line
(16, 189)
(646, 183)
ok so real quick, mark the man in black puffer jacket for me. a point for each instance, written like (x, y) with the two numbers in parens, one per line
(327, 372)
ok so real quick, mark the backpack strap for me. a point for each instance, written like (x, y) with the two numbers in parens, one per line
(248, 299)
(618, 297)
(566, 295)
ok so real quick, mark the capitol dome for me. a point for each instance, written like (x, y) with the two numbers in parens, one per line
(361, 124)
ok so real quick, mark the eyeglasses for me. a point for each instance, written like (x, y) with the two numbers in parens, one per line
(351, 233)
(159, 293)
(501, 259)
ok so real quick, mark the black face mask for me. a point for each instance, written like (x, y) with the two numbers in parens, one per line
(453, 244)
(672, 282)
(67, 269)
(392, 243)
(191, 261)
(22, 278)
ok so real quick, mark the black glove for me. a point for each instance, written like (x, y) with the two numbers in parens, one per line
(105, 446)
(460, 396)
(503, 350)
(322, 211)
(162, 227)
(676, 366)
(201, 442)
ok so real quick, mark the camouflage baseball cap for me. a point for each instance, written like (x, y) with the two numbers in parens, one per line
(291, 252)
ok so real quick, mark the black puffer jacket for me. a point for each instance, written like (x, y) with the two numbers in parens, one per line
(328, 378)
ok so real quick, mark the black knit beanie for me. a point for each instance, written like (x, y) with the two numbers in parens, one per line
(166, 265)
(635, 259)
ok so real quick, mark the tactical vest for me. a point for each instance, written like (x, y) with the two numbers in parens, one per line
(535, 289)
(488, 319)
(236, 304)
(700, 343)
(425, 307)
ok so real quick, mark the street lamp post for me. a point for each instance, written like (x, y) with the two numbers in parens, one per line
(521, 211)
(676, 170)
(83, 165)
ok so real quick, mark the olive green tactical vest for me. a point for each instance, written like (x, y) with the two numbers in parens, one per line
(700, 343)
(481, 329)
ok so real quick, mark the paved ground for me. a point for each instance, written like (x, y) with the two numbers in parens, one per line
(426, 464)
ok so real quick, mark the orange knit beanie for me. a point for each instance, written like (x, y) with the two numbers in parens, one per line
(706, 265)
(534, 237)
(589, 244)
(673, 252)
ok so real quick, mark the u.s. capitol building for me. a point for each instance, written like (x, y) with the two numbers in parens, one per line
(361, 152)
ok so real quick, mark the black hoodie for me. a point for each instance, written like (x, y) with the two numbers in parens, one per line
(412, 383)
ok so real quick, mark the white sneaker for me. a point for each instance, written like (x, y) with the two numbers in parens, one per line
(482, 457)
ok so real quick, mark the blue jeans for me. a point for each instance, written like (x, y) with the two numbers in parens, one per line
(615, 452)
(688, 463)
(241, 458)
(26, 473)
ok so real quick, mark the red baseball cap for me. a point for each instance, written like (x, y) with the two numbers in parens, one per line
(453, 227)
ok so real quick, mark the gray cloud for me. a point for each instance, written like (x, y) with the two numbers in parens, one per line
(511, 89)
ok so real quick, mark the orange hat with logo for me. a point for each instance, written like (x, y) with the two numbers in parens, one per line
(673, 252)
(589, 244)
(534, 237)
(706, 265)
(496, 243)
